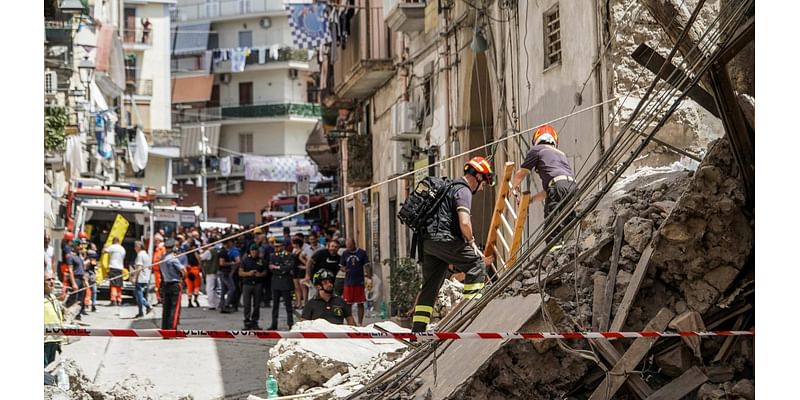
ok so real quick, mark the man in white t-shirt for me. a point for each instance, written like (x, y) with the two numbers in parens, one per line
(141, 276)
(115, 265)
(48, 256)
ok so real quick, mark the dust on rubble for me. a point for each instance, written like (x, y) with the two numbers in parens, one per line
(82, 388)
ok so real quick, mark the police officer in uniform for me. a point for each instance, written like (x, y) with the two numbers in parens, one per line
(253, 269)
(282, 265)
(449, 240)
(327, 306)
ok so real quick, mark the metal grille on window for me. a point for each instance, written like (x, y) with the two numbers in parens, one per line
(245, 142)
(552, 37)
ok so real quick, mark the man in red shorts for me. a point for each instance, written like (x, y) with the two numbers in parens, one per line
(352, 262)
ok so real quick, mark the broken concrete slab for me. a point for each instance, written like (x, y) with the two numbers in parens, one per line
(674, 361)
(638, 232)
(689, 321)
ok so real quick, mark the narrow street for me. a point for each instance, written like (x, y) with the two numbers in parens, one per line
(204, 368)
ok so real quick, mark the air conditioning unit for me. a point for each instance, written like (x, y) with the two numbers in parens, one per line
(399, 157)
(225, 78)
(265, 22)
(221, 187)
(234, 187)
(404, 121)
(50, 83)
(292, 73)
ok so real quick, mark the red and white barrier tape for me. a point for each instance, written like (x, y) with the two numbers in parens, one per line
(232, 334)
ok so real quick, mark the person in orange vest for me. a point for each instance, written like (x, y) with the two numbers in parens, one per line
(194, 278)
(158, 254)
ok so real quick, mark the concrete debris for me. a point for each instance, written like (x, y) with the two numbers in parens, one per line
(82, 388)
(638, 232)
(300, 365)
(450, 294)
(744, 389)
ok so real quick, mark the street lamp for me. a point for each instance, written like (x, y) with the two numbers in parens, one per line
(86, 71)
(204, 150)
(74, 7)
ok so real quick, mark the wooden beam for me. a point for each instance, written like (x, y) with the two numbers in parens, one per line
(633, 289)
(736, 128)
(628, 362)
(741, 38)
(673, 19)
(611, 281)
(597, 301)
(681, 386)
(726, 346)
(650, 59)
(634, 382)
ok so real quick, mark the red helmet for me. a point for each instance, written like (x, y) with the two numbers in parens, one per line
(545, 134)
(68, 236)
(82, 235)
(479, 165)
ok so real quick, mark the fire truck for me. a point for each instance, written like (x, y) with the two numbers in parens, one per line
(92, 207)
(282, 206)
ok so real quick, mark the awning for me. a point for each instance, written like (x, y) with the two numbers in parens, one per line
(318, 148)
(106, 32)
(192, 89)
(191, 38)
(191, 137)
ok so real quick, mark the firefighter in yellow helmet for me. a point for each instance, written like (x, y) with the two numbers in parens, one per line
(554, 170)
(450, 240)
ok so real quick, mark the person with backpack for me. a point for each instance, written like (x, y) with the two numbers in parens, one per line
(439, 213)
(554, 170)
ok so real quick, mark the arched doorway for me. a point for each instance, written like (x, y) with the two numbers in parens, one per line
(480, 131)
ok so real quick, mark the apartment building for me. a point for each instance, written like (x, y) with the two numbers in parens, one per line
(240, 84)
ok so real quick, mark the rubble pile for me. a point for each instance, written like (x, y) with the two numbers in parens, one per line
(302, 366)
(700, 271)
(82, 388)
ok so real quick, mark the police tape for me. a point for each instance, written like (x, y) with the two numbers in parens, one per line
(239, 334)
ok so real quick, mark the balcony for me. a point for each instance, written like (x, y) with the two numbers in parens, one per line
(365, 64)
(288, 55)
(141, 87)
(137, 38)
(194, 115)
(226, 10)
(272, 110)
(405, 16)
(191, 167)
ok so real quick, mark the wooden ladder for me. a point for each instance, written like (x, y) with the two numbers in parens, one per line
(500, 226)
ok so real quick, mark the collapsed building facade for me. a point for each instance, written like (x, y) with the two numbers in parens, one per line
(668, 249)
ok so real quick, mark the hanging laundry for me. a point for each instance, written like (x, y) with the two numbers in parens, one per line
(274, 51)
(103, 149)
(138, 151)
(262, 55)
(207, 60)
(238, 60)
(73, 156)
(225, 166)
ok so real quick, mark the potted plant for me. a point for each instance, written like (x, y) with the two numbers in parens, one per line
(406, 281)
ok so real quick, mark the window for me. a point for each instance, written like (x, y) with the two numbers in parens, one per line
(246, 39)
(212, 8)
(213, 41)
(245, 93)
(552, 37)
(245, 142)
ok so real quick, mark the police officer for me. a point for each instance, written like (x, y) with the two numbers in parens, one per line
(282, 264)
(554, 170)
(172, 273)
(327, 306)
(450, 240)
(253, 269)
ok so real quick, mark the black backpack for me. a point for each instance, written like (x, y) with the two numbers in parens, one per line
(422, 205)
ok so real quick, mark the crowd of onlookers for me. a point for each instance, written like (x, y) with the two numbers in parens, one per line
(319, 274)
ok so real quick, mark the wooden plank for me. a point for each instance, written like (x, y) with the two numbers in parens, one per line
(611, 281)
(499, 206)
(633, 289)
(681, 386)
(638, 350)
(726, 346)
(634, 382)
(650, 59)
(741, 38)
(597, 301)
(519, 227)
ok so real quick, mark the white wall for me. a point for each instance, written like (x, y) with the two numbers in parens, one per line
(270, 138)
(269, 86)
(277, 33)
(155, 173)
(155, 64)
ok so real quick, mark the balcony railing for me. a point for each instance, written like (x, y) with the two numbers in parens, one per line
(191, 167)
(141, 87)
(191, 115)
(137, 36)
(308, 110)
(224, 8)
(284, 54)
